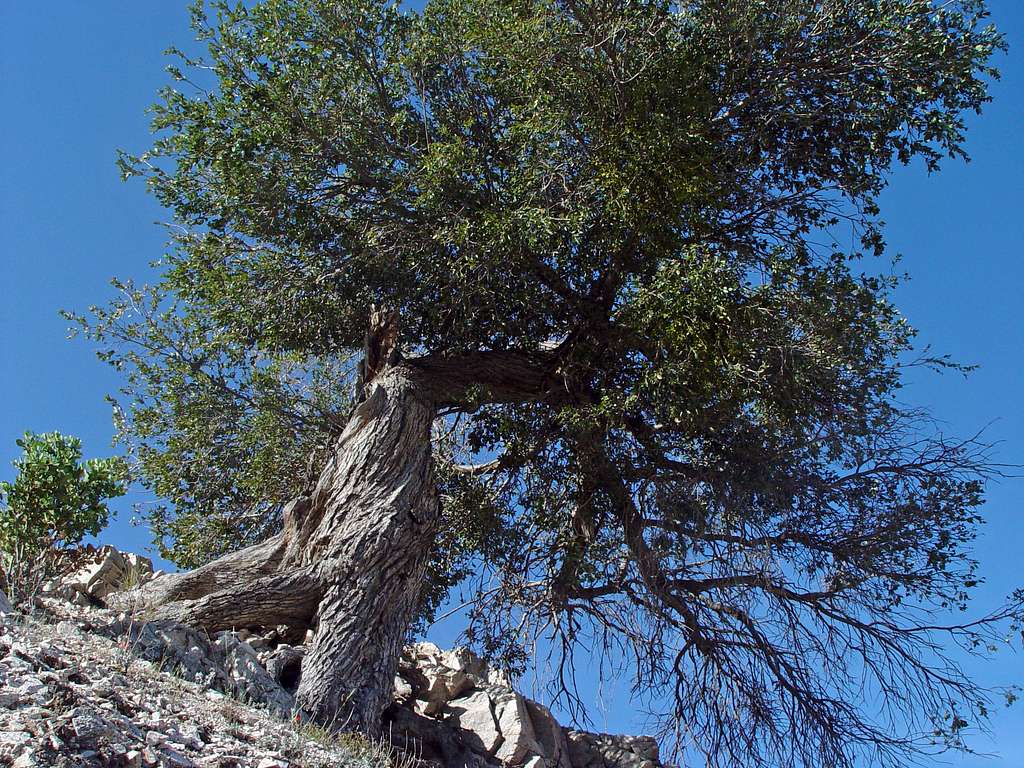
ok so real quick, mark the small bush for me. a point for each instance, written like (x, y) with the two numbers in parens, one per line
(54, 502)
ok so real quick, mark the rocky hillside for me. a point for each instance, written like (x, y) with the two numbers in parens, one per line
(84, 685)
(69, 697)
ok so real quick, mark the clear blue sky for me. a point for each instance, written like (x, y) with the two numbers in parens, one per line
(75, 78)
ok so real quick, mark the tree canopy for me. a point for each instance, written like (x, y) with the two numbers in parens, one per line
(664, 212)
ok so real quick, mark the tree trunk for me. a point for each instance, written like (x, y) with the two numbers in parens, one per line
(351, 556)
(380, 512)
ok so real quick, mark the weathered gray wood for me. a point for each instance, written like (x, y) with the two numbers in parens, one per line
(380, 511)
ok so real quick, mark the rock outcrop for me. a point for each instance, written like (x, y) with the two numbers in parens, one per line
(72, 699)
(99, 573)
(497, 725)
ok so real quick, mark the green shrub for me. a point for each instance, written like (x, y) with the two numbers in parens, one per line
(54, 502)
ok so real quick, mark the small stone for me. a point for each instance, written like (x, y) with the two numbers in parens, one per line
(257, 643)
(87, 725)
(109, 571)
(127, 729)
(269, 762)
(155, 738)
(15, 738)
(133, 759)
(14, 664)
(174, 758)
(251, 682)
(188, 735)
(403, 691)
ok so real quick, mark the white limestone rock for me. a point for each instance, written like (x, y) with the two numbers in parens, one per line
(403, 690)
(473, 714)
(518, 739)
(107, 571)
(550, 736)
(436, 677)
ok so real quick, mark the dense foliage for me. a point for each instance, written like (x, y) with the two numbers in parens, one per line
(54, 502)
(674, 201)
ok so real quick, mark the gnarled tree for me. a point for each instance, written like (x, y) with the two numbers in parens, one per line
(599, 253)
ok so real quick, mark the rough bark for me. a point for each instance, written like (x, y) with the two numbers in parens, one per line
(351, 556)
(380, 511)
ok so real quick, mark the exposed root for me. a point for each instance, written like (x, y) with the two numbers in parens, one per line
(289, 599)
